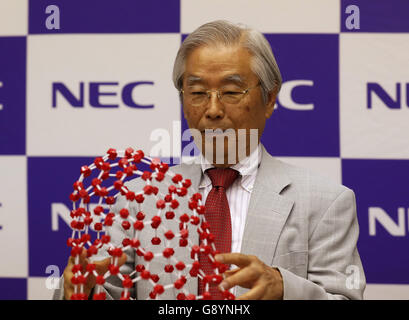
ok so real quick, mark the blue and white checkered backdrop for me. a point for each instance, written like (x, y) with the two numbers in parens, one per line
(103, 79)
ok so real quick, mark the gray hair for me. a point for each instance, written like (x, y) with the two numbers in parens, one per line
(263, 63)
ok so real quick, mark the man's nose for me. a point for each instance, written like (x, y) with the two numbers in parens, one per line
(215, 109)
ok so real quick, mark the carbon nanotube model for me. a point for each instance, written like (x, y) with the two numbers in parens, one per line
(110, 217)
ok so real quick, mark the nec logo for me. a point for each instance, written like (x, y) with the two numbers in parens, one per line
(285, 97)
(95, 91)
(60, 210)
(398, 229)
(395, 100)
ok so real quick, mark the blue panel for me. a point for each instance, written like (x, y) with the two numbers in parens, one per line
(95, 16)
(377, 15)
(13, 289)
(315, 132)
(381, 184)
(13, 95)
(50, 181)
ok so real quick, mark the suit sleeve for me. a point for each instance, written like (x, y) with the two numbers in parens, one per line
(334, 267)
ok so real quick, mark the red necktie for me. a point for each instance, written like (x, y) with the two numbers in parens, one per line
(217, 215)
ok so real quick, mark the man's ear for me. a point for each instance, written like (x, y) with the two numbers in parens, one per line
(272, 96)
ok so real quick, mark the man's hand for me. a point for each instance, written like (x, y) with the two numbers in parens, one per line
(101, 268)
(264, 282)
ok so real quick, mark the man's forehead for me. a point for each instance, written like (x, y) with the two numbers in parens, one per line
(203, 56)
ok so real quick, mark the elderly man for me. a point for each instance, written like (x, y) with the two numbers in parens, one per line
(288, 234)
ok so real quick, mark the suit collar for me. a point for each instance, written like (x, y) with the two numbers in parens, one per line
(247, 168)
(272, 173)
(193, 170)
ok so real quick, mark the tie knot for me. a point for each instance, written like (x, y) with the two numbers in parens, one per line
(222, 177)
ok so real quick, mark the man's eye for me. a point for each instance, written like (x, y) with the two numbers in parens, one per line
(198, 93)
(231, 93)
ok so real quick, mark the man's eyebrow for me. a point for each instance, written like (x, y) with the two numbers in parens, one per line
(193, 79)
(236, 78)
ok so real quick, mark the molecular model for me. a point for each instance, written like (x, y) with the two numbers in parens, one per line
(116, 168)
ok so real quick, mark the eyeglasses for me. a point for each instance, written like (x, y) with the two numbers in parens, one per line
(199, 97)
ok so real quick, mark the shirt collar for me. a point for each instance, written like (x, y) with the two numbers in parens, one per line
(246, 167)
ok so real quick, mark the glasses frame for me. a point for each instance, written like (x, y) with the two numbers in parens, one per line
(208, 92)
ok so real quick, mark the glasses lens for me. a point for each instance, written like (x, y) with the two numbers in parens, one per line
(195, 97)
(231, 97)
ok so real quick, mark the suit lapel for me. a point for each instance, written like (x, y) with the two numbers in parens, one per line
(268, 211)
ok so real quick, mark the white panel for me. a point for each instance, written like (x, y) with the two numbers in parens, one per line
(86, 130)
(386, 292)
(327, 167)
(378, 132)
(13, 217)
(13, 17)
(37, 289)
(267, 16)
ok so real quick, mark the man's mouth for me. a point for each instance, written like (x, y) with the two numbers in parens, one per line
(214, 132)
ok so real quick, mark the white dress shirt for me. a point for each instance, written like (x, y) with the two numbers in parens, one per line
(238, 194)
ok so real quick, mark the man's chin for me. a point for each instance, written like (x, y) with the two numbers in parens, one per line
(222, 157)
(225, 147)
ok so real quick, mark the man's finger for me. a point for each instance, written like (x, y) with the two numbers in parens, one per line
(83, 258)
(255, 293)
(229, 273)
(103, 265)
(244, 278)
(239, 259)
